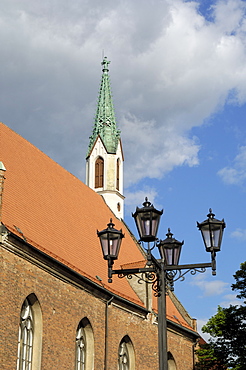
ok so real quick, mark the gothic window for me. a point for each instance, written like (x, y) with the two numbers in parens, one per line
(80, 349)
(171, 362)
(84, 346)
(25, 341)
(118, 174)
(99, 172)
(126, 358)
(29, 345)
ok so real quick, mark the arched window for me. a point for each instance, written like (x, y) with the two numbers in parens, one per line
(84, 346)
(30, 335)
(118, 174)
(80, 349)
(99, 172)
(171, 362)
(126, 356)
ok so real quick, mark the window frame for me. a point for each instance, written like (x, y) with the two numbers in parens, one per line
(126, 354)
(99, 173)
(84, 355)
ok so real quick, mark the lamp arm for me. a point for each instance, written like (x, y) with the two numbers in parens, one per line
(187, 267)
(125, 272)
(155, 267)
(151, 274)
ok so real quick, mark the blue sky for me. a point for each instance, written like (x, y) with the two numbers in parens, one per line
(178, 76)
(187, 193)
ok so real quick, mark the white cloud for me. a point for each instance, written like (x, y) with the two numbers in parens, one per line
(138, 197)
(229, 15)
(230, 299)
(167, 77)
(239, 234)
(200, 324)
(209, 288)
(236, 173)
(154, 150)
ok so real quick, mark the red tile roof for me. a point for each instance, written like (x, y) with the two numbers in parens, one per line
(59, 214)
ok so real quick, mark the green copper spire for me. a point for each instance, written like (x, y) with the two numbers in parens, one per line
(105, 123)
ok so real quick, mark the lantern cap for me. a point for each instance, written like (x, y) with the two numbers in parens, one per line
(170, 239)
(211, 220)
(111, 229)
(210, 214)
(147, 206)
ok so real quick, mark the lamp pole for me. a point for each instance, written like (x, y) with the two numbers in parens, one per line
(161, 273)
(162, 323)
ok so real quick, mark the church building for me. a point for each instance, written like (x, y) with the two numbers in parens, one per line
(58, 310)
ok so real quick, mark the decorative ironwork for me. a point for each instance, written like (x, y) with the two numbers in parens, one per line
(144, 277)
(175, 275)
(152, 275)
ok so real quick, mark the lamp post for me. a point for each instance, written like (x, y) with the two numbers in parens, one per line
(166, 270)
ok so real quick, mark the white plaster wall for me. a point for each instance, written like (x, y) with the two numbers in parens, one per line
(112, 196)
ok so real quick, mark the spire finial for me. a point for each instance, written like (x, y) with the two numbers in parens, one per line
(105, 64)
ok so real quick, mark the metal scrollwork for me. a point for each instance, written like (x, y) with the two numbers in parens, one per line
(175, 275)
(156, 288)
(153, 278)
(121, 276)
(145, 277)
(150, 276)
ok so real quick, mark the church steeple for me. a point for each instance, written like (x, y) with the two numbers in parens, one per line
(105, 122)
(104, 162)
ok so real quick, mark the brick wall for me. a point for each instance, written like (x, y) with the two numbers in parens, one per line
(63, 305)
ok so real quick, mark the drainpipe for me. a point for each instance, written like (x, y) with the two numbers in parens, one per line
(106, 333)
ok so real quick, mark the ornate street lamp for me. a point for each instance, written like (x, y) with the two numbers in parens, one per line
(147, 221)
(212, 232)
(170, 250)
(110, 239)
(167, 269)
